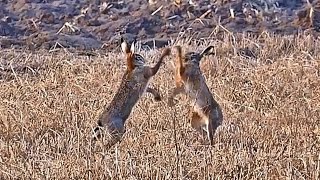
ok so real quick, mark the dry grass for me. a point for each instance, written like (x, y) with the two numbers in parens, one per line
(271, 106)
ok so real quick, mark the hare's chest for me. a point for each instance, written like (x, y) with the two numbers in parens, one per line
(139, 81)
(140, 85)
(188, 87)
(193, 87)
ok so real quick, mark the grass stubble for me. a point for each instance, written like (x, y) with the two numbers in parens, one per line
(271, 106)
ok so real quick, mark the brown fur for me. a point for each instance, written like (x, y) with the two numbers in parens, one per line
(133, 84)
(130, 64)
(206, 113)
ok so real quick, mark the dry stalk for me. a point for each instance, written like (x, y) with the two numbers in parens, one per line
(69, 26)
(157, 10)
(176, 144)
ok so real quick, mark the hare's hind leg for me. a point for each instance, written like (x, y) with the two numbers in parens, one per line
(155, 93)
(197, 122)
(212, 126)
(114, 132)
(211, 130)
(214, 121)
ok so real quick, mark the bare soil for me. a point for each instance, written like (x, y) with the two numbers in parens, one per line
(95, 24)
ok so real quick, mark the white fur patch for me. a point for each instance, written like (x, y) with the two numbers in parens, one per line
(124, 47)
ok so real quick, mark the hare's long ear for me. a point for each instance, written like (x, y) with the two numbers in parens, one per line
(132, 49)
(124, 46)
(129, 55)
(208, 51)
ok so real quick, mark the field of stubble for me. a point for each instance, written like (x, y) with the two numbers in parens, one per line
(271, 107)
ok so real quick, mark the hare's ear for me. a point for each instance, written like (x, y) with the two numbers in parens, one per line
(208, 51)
(132, 49)
(129, 55)
(124, 46)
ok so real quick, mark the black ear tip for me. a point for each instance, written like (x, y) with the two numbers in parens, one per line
(134, 41)
(210, 47)
(208, 51)
(122, 40)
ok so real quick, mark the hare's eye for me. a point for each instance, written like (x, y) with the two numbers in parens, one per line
(139, 59)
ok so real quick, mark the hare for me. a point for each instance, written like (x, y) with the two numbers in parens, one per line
(133, 84)
(206, 114)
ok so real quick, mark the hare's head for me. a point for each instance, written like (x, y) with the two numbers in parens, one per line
(133, 59)
(194, 57)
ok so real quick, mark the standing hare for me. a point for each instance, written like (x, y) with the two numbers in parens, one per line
(206, 114)
(133, 84)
